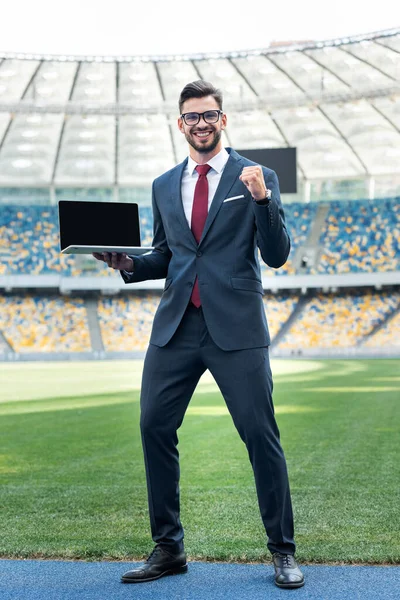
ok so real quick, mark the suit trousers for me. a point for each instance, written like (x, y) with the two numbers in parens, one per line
(170, 376)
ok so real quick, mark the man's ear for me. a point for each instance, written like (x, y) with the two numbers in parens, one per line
(223, 121)
(180, 125)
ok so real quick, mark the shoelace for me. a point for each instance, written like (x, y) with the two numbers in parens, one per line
(286, 560)
(154, 552)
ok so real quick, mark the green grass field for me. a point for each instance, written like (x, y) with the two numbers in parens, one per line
(72, 475)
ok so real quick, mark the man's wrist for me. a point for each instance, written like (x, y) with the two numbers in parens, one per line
(266, 199)
(131, 270)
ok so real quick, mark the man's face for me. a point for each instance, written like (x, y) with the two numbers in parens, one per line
(203, 137)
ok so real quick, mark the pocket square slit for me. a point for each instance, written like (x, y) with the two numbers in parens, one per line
(234, 198)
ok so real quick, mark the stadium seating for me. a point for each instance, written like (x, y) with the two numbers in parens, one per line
(358, 236)
(29, 243)
(125, 323)
(386, 337)
(3, 346)
(146, 225)
(58, 324)
(278, 309)
(29, 240)
(299, 218)
(32, 323)
(361, 235)
(44, 324)
(339, 321)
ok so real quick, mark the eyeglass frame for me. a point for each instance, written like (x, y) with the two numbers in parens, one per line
(220, 113)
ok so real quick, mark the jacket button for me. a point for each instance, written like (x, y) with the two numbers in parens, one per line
(199, 253)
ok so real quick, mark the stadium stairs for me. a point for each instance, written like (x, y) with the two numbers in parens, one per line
(4, 343)
(94, 325)
(308, 255)
(288, 324)
(379, 326)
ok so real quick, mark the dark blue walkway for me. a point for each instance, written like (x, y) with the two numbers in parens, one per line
(56, 580)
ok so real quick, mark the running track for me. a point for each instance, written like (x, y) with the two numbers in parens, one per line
(60, 580)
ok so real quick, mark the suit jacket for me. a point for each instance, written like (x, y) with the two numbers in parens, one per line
(225, 260)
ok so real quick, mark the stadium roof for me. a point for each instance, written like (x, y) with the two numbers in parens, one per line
(86, 120)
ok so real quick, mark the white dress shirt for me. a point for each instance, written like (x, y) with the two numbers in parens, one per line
(190, 177)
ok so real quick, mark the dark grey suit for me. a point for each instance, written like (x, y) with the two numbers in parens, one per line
(228, 335)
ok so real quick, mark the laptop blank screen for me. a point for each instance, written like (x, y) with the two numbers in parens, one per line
(98, 223)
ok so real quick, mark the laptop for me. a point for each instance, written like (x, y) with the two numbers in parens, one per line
(87, 227)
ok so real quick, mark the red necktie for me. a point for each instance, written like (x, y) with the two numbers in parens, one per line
(199, 216)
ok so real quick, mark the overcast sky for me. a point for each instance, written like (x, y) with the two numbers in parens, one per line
(124, 27)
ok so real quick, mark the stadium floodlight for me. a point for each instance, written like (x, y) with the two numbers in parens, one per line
(85, 164)
(34, 119)
(7, 73)
(50, 75)
(22, 163)
(44, 90)
(94, 76)
(29, 133)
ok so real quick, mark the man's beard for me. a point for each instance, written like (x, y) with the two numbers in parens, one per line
(204, 149)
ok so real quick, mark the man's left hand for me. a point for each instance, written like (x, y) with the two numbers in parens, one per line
(253, 179)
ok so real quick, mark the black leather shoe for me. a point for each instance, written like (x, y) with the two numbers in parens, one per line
(159, 564)
(287, 572)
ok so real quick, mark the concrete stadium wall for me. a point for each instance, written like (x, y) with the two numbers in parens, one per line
(356, 352)
(68, 356)
(311, 353)
(114, 283)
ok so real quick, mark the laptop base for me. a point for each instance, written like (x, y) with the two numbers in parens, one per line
(130, 250)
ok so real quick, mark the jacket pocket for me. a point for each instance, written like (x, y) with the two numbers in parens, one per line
(250, 285)
(239, 202)
(234, 198)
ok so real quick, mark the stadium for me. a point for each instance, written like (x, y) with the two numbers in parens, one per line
(89, 128)
(102, 128)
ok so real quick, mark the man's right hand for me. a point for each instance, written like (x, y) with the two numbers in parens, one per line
(121, 262)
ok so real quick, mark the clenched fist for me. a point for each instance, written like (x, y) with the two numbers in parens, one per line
(114, 260)
(253, 179)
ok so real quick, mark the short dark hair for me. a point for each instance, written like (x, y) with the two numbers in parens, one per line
(199, 89)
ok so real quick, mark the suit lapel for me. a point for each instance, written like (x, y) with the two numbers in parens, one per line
(176, 199)
(230, 174)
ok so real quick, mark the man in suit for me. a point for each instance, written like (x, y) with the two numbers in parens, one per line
(210, 214)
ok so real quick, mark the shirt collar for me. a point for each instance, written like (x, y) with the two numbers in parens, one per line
(217, 162)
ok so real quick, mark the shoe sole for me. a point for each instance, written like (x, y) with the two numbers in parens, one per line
(177, 571)
(290, 585)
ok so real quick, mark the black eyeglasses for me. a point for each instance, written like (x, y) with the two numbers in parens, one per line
(210, 116)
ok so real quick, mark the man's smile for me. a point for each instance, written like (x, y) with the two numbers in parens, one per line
(203, 134)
